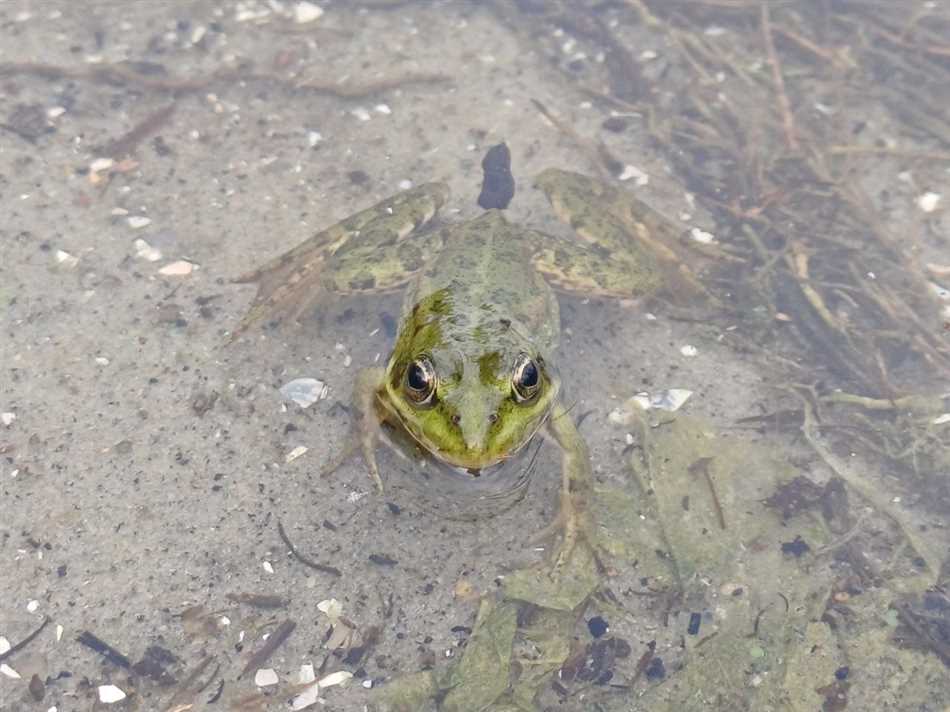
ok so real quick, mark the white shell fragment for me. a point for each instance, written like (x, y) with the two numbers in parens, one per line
(8, 671)
(295, 453)
(265, 677)
(928, 201)
(145, 251)
(305, 12)
(110, 694)
(4, 645)
(65, 259)
(689, 350)
(701, 236)
(309, 697)
(138, 221)
(306, 674)
(304, 391)
(634, 173)
(340, 677)
(268, 567)
(942, 419)
(101, 164)
(7, 419)
(671, 400)
(33, 606)
(331, 607)
(181, 268)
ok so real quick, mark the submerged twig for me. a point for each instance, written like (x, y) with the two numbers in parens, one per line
(26, 641)
(306, 561)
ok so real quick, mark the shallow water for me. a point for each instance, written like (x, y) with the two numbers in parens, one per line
(146, 463)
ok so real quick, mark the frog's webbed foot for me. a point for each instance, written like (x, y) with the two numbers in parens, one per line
(365, 429)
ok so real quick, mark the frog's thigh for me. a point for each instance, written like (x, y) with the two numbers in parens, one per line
(574, 267)
(380, 261)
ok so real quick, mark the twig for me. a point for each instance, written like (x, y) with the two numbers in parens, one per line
(274, 641)
(788, 121)
(26, 641)
(323, 568)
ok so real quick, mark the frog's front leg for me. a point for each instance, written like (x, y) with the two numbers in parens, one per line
(366, 426)
(576, 483)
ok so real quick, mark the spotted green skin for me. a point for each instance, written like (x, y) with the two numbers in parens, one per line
(479, 294)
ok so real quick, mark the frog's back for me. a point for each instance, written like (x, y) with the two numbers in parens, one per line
(484, 271)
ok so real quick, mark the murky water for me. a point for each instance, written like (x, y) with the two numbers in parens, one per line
(769, 535)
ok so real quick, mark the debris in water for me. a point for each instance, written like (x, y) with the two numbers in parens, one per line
(265, 677)
(110, 694)
(305, 12)
(145, 251)
(304, 391)
(295, 453)
(928, 201)
(274, 641)
(107, 651)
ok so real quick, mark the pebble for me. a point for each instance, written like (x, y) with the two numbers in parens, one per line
(701, 236)
(138, 221)
(305, 12)
(928, 201)
(265, 677)
(181, 268)
(110, 694)
(689, 350)
(33, 606)
(145, 251)
(7, 419)
(268, 567)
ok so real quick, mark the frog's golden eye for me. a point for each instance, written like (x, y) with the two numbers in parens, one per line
(420, 381)
(526, 379)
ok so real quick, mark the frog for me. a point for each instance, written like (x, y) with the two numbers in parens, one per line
(472, 377)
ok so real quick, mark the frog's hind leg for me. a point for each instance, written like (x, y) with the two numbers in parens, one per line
(626, 249)
(330, 262)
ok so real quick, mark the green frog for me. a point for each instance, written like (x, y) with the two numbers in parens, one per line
(472, 378)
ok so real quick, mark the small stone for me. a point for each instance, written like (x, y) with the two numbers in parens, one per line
(110, 694)
(701, 236)
(360, 113)
(689, 350)
(928, 201)
(305, 12)
(268, 567)
(265, 677)
(405, 184)
(101, 164)
(7, 419)
(4, 645)
(138, 221)
(33, 606)
(313, 138)
(181, 268)
(145, 251)
(383, 109)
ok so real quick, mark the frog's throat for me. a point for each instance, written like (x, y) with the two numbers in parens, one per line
(479, 461)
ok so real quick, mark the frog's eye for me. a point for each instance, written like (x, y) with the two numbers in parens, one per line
(526, 378)
(420, 381)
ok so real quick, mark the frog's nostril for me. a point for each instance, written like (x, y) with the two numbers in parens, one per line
(493, 418)
(456, 419)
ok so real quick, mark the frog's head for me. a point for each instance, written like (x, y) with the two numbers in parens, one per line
(471, 403)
